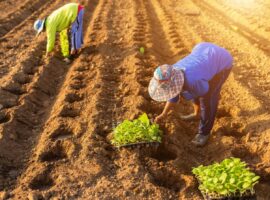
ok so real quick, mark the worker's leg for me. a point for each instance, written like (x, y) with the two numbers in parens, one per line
(208, 106)
(196, 107)
(79, 37)
(77, 33)
(196, 112)
(64, 43)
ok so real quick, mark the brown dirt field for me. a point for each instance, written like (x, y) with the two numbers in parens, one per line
(56, 118)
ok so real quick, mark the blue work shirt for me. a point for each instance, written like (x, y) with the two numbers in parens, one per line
(199, 67)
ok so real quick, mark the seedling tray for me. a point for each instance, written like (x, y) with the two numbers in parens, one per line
(139, 145)
(247, 196)
(230, 179)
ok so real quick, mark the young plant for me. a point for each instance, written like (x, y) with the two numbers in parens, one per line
(229, 178)
(136, 131)
(142, 50)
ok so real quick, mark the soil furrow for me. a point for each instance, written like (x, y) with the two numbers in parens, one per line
(25, 120)
(20, 46)
(252, 14)
(9, 6)
(63, 140)
(20, 15)
(176, 41)
(260, 74)
(255, 39)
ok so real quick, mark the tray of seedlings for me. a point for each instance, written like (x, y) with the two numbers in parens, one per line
(229, 180)
(138, 133)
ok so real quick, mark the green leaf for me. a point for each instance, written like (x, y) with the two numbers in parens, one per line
(138, 130)
(232, 180)
(246, 185)
(254, 179)
(143, 118)
(215, 180)
(224, 192)
(223, 177)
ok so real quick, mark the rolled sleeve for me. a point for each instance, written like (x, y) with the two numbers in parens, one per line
(174, 100)
(187, 95)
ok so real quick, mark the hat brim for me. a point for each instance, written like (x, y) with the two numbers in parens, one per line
(167, 90)
(41, 28)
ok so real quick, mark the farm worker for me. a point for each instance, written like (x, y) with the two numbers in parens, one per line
(197, 77)
(68, 20)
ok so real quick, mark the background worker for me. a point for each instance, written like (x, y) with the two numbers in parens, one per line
(197, 77)
(68, 20)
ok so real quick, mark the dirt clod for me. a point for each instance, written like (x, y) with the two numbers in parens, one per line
(4, 117)
(41, 182)
(3, 195)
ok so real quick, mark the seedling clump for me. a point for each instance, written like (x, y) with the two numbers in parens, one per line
(142, 50)
(229, 178)
(136, 131)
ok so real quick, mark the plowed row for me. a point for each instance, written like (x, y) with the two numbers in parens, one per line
(56, 118)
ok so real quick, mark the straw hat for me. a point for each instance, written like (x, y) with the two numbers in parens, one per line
(166, 83)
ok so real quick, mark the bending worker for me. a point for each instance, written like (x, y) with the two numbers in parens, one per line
(69, 16)
(197, 77)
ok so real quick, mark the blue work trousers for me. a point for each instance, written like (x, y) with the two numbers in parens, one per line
(76, 32)
(209, 102)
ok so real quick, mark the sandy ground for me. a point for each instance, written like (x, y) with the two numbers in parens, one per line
(56, 118)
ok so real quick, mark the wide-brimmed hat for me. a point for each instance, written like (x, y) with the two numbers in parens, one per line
(39, 25)
(166, 84)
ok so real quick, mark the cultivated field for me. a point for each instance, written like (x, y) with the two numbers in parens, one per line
(55, 118)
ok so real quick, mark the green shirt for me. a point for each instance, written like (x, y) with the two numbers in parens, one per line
(58, 21)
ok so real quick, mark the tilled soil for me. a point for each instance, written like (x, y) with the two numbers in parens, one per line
(56, 119)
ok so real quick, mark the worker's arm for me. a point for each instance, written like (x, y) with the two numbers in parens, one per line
(169, 106)
(51, 32)
(48, 54)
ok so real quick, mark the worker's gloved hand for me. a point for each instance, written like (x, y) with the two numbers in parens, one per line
(159, 118)
(73, 52)
(67, 60)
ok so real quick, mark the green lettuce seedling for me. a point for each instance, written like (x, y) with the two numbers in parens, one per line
(142, 50)
(136, 131)
(228, 178)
